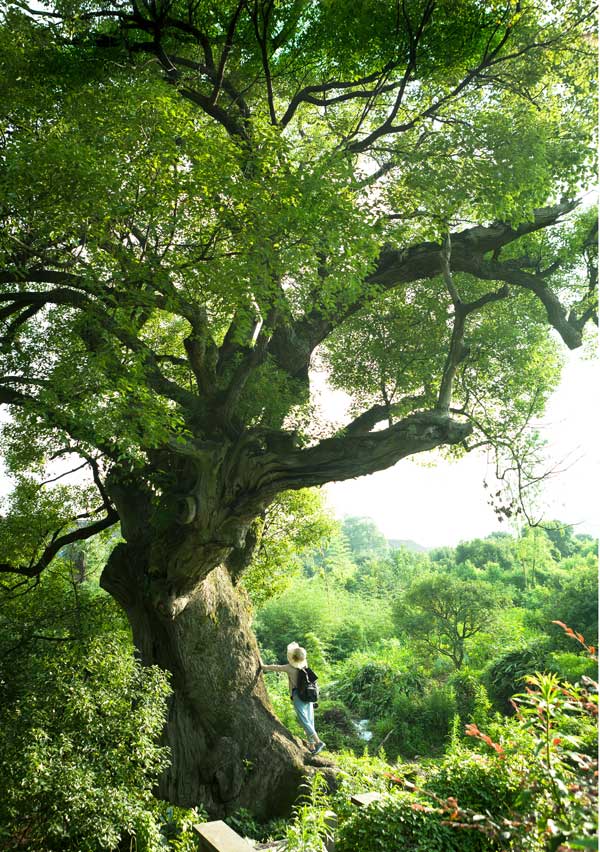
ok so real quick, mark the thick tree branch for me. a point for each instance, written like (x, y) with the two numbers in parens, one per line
(41, 276)
(293, 343)
(569, 328)
(349, 455)
(202, 353)
(71, 298)
(366, 421)
(34, 569)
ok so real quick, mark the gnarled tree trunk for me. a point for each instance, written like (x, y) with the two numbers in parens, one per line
(228, 750)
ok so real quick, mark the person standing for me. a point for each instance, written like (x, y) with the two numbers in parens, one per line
(304, 709)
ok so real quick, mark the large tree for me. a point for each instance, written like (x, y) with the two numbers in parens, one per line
(203, 200)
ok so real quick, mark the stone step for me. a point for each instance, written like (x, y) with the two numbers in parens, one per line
(363, 799)
(217, 836)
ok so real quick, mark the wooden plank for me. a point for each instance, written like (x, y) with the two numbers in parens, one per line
(217, 836)
(363, 799)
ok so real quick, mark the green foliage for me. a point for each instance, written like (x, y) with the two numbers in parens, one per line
(421, 724)
(505, 675)
(570, 666)
(472, 702)
(364, 773)
(575, 604)
(534, 552)
(315, 651)
(557, 797)
(368, 682)
(382, 576)
(295, 523)
(364, 538)
(415, 704)
(176, 826)
(403, 821)
(310, 827)
(337, 728)
(245, 824)
(443, 613)
(320, 607)
(80, 724)
(78, 752)
(479, 782)
(498, 548)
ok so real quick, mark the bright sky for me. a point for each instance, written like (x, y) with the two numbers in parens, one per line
(446, 503)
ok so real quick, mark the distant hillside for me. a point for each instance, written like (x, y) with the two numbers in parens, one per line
(396, 543)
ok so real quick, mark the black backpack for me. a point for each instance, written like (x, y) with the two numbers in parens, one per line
(307, 686)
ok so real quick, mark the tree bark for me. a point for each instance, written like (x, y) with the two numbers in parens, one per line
(228, 750)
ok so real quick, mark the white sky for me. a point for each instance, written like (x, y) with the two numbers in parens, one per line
(446, 503)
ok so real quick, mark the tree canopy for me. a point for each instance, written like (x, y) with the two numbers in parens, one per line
(444, 612)
(200, 202)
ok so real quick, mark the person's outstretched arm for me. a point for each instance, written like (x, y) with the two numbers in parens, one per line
(273, 668)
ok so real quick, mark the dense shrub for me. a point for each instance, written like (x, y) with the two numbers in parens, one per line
(246, 825)
(336, 727)
(472, 702)
(369, 683)
(505, 675)
(78, 752)
(479, 782)
(403, 822)
(572, 667)
(420, 724)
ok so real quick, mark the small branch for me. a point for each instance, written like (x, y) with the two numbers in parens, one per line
(305, 94)
(263, 40)
(226, 51)
(445, 262)
(62, 475)
(51, 551)
(569, 328)
(458, 351)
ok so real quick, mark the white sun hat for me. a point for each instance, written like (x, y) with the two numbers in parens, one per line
(296, 655)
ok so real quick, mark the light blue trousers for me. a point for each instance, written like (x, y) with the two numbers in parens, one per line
(306, 715)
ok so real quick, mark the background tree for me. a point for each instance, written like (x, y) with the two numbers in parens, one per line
(534, 554)
(497, 548)
(364, 538)
(199, 202)
(443, 613)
